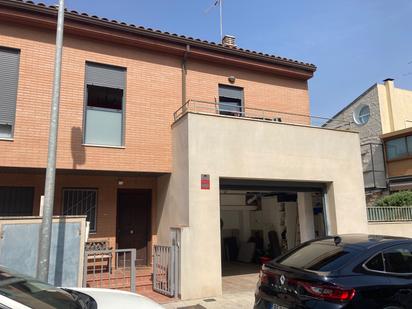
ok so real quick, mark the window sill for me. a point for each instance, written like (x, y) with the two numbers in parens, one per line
(103, 146)
(7, 139)
(405, 158)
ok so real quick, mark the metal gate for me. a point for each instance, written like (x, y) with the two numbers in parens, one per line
(112, 269)
(165, 270)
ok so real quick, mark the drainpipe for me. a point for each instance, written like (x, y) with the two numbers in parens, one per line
(184, 73)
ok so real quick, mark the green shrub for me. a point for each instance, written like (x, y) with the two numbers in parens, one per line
(402, 198)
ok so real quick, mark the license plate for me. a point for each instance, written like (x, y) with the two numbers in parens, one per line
(276, 306)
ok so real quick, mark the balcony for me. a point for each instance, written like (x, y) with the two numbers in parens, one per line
(229, 110)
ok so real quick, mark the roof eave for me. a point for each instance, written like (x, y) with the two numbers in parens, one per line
(86, 19)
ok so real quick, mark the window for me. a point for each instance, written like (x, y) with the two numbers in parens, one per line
(318, 256)
(16, 201)
(104, 104)
(361, 115)
(104, 97)
(230, 100)
(80, 202)
(409, 144)
(9, 75)
(396, 148)
(375, 263)
(398, 259)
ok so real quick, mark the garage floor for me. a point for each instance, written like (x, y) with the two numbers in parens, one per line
(239, 277)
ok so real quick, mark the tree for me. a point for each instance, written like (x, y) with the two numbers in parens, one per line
(402, 198)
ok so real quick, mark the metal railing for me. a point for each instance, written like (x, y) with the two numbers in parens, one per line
(227, 109)
(165, 270)
(112, 269)
(389, 214)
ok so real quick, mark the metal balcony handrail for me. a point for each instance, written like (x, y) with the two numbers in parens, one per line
(389, 213)
(217, 108)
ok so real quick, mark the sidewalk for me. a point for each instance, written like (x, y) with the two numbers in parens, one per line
(227, 301)
(238, 292)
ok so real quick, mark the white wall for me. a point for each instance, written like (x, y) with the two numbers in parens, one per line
(306, 220)
(400, 229)
(270, 220)
(231, 219)
(172, 194)
(291, 222)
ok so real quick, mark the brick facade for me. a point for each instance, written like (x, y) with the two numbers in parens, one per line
(107, 196)
(153, 93)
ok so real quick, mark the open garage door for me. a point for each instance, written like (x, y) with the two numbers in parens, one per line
(262, 219)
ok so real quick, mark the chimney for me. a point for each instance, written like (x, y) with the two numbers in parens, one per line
(388, 80)
(229, 41)
(390, 91)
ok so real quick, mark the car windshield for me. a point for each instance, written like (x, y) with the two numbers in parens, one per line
(318, 256)
(35, 294)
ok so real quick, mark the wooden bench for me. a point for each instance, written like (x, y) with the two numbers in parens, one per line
(99, 254)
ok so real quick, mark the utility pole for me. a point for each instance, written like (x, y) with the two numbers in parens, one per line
(46, 225)
(221, 19)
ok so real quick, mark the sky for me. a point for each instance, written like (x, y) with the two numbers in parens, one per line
(353, 43)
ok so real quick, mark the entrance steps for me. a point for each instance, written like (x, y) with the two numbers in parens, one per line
(120, 279)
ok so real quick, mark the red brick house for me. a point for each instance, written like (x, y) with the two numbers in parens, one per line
(121, 85)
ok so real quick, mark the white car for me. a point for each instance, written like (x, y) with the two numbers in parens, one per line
(22, 292)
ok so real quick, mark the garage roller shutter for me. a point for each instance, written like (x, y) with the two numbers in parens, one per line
(9, 75)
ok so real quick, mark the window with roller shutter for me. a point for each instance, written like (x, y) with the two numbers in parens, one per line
(9, 76)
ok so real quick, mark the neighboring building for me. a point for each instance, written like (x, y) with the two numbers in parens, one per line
(398, 158)
(382, 109)
(155, 128)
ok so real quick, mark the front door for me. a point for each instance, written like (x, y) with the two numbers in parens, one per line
(133, 221)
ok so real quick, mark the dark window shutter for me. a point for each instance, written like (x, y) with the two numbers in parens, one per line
(9, 75)
(105, 75)
(231, 92)
(16, 201)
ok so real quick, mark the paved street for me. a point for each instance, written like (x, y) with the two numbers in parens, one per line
(238, 292)
(236, 300)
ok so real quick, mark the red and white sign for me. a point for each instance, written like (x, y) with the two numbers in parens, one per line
(205, 182)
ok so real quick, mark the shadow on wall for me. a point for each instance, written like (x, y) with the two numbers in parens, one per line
(78, 151)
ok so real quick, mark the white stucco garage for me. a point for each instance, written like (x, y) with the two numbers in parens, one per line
(245, 149)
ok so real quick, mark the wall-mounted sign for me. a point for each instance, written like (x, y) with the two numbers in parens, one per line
(205, 182)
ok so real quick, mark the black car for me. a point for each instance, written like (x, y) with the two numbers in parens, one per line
(347, 271)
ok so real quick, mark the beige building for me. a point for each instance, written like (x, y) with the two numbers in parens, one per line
(395, 106)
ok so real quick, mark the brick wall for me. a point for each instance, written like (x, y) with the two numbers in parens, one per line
(261, 90)
(153, 93)
(107, 197)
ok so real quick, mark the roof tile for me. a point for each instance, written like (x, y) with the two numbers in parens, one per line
(247, 51)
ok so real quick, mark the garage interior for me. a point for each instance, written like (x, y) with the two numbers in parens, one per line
(262, 219)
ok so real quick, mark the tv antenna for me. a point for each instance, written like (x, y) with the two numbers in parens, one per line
(216, 3)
